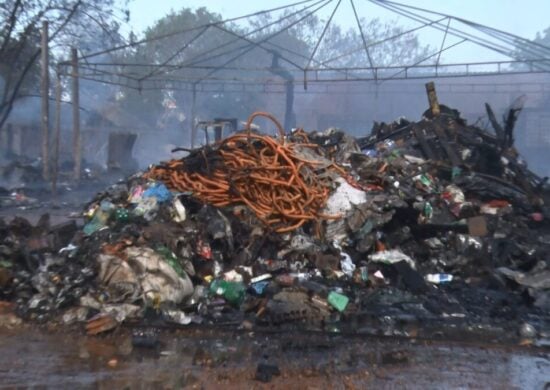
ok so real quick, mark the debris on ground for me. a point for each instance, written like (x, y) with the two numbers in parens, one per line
(23, 187)
(435, 221)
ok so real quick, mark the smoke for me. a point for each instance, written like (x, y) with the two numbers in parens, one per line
(355, 106)
(351, 106)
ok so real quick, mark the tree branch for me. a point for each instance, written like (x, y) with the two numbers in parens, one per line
(8, 106)
(12, 20)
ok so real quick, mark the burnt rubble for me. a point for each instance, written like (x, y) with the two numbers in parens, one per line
(434, 222)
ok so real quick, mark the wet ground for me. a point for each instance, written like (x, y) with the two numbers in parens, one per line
(212, 359)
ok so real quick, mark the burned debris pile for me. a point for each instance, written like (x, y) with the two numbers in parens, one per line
(283, 184)
(421, 222)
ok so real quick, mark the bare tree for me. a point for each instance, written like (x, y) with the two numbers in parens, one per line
(70, 22)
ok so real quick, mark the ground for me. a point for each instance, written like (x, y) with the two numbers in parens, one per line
(210, 359)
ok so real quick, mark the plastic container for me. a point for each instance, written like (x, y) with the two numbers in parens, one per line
(338, 301)
(100, 218)
(439, 278)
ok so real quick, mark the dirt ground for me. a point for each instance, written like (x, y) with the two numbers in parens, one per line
(212, 359)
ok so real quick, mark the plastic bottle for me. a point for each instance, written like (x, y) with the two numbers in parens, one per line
(338, 301)
(122, 215)
(439, 278)
(100, 218)
(232, 292)
(171, 259)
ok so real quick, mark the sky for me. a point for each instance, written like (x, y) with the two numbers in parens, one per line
(524, 18)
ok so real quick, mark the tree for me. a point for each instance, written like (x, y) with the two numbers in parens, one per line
(210, 51)
(388, 43)
(539, 51)
(71, 22)
(187, 52)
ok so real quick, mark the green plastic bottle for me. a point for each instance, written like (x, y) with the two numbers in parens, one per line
(122, 215)
(100, 218)
(171, 259)
(338, 301)
(232, 292)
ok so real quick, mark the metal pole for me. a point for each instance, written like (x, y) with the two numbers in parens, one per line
(290, 121)
(57, 135)
(443, 43)
(45, 109)
(76, 115)
(376, 102)
(193, 114)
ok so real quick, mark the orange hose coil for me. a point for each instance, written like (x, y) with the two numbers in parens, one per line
(265, 174)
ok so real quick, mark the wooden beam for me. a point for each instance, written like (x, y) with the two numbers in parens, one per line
(424, 145)
(432, 98)
(76, 115)
(57, 134)
(45, 107)
(193, 115)
(453, 155)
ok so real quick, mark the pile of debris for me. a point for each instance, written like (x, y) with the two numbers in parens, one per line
(23, 186)
(428, 221)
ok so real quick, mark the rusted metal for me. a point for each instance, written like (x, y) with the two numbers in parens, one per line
(100, 323)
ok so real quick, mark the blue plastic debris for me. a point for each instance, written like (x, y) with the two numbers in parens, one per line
(158, 191)
(370, 153)
(259, 287)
